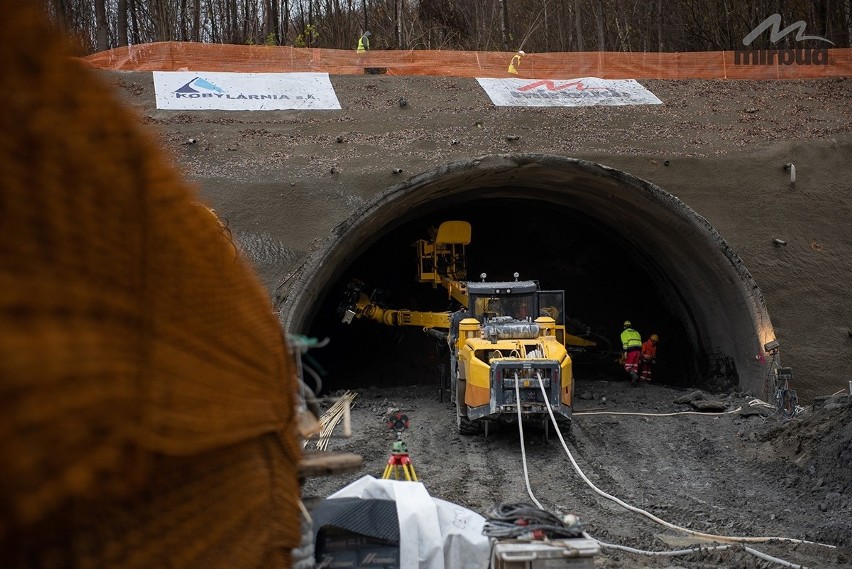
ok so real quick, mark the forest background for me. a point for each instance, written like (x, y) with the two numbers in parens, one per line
(474, 25)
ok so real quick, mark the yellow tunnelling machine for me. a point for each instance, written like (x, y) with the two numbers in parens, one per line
(509, 349)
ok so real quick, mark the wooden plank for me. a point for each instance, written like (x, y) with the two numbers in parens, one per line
(329, 463)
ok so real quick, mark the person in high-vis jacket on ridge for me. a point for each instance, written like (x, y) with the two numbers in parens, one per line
(631, 344)
(364, 43)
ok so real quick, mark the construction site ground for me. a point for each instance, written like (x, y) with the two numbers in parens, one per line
(283, 180)
(745, 473)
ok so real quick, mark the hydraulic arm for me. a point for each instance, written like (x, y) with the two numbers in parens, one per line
(359, 305)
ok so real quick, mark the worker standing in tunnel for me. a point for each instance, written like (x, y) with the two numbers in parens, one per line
(648, 358)
(631, 344)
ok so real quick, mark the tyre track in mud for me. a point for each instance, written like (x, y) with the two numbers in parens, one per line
(636, 459)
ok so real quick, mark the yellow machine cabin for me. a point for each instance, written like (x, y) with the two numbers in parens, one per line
(508, 357)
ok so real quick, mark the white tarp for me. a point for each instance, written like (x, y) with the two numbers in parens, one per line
(199, 90)
(433, 533)
(583, 92)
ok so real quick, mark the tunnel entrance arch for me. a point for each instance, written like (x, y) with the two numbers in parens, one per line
(646, 243)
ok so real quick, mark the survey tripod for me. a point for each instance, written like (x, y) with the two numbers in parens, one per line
(786, 400)
(399, 458)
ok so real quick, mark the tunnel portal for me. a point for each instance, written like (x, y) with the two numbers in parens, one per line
(620, 247)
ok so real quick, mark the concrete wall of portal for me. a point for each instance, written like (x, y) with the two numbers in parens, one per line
(706, 284)
(804, 291)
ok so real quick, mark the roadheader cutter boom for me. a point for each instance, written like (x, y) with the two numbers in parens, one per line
(507, 341)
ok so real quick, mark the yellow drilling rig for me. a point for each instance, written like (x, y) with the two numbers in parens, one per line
(508, 346)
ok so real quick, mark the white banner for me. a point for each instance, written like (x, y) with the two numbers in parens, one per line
(586, 91)
(188, 90)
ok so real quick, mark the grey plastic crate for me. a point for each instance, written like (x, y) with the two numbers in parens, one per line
(575, 553)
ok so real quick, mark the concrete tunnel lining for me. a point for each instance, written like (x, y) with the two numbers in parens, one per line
(715, 296)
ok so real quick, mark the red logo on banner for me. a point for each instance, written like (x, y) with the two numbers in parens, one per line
(551, 86)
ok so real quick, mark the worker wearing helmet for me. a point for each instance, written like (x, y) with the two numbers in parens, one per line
(631, 344)
(649, 357)
(515, 63)
(363, 43)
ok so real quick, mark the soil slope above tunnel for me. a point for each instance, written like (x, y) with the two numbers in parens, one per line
(284, 180)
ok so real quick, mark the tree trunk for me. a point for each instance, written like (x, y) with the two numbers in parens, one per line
(366, 23)
(61, 14)
(275, 17)
(215, 28)
(134, 23)
(578, 27)
(847, 15)
(599, 24)
(183, 21)
(234, 30)
(351, 17)
(827, 29)
(309, 38)
(121, 29)
(660, 25)
(196, 20)
(101, 36)
(285, 22)
(158, 20)
(398, 8)
(504, 23)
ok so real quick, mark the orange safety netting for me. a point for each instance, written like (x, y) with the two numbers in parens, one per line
(146, 391)
(177, 56)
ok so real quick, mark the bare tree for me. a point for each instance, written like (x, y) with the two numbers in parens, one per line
(599, 24)
(578, 27)
(504, 23)
(847, 18)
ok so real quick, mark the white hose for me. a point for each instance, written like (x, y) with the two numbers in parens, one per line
(737, 410)
(676, 552)
(672, 553)
(523, 449)
(708, 536)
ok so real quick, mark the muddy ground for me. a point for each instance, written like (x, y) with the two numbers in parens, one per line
(745, 473)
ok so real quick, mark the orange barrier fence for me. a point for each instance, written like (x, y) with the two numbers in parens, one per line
(752, 64)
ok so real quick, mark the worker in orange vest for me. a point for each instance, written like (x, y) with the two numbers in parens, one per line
(648, 358)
